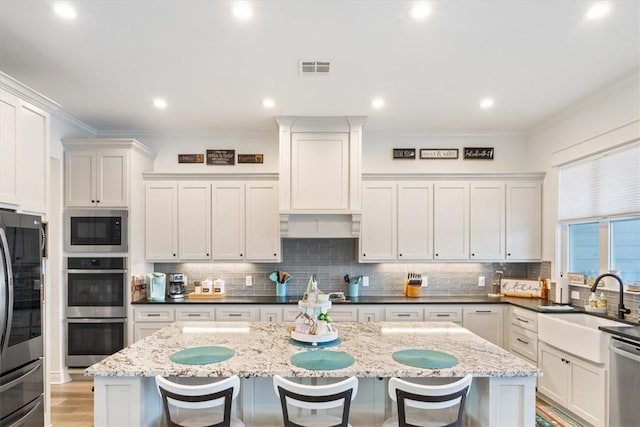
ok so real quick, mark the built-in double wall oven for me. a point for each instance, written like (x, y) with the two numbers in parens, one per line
(96, 311)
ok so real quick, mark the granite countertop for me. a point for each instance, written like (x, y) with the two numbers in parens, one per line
(262, 349)
(528, 303)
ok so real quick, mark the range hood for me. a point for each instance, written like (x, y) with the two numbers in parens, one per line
(320, 176)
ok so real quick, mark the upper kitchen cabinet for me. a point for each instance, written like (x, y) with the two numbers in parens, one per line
(24, 147)
(397, 221)
(320, 176)
(524, 220)
(245, 221)
(161, 221)
(487, 220)
(451, 220)
(194, 220)
(98, 171)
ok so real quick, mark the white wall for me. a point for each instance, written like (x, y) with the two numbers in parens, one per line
(54, 320)
(608, 119)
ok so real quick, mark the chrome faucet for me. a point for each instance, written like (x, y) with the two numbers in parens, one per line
(621, 308)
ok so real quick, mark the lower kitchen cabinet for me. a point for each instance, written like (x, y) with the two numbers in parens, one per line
(198, 312)
(407, 313)
(148, 320)
(577, 385)
(370, 314)
(271, 314)
(522, 333)
(485, 321)
(241, 313)
(443, 313)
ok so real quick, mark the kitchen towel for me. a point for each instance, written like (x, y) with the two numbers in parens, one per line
(322, 360)
(202, 355)
(428, 359)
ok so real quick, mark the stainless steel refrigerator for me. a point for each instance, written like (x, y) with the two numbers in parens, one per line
(21, 356)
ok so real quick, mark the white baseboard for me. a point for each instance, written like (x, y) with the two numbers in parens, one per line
(59, 377)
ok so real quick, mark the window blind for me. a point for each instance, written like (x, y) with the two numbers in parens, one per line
(608, 185)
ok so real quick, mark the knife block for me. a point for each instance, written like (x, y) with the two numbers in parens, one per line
(413, 290)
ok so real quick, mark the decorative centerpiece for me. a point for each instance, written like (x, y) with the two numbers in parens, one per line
(313, 324)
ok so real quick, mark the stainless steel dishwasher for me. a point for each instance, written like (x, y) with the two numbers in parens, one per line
(624, 386)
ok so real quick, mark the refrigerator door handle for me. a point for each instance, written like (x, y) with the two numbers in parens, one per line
(32, 407)
(6, 290)
(13, 382)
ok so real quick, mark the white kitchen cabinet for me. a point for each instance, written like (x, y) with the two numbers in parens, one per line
(485, 321)
(24, 154)
(370, 314)
(245, 221)
(161, 220)
(195, 313)
(577, 385)
(487, 220)
(312, 189)
(443, 313)
(524, 220)
(96, 178)
(343, 313)
(451, 220)
(271, 314)
(397, 221)
(194, 221)
(404, 313)
(149, 319)
(144, 329)
(246, 313)
(378, 237)
(522, 333)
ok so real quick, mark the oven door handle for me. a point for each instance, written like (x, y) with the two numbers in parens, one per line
(96, 320)
(95, 271)
(624, 353)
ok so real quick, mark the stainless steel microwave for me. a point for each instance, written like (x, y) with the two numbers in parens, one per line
(95, 230)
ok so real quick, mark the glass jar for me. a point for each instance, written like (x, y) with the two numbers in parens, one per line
(593, 300)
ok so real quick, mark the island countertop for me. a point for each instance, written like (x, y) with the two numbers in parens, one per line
(262, 349)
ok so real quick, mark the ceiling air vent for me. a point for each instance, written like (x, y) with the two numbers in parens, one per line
(314, 68)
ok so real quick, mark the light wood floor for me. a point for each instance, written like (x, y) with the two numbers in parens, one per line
(72, 404)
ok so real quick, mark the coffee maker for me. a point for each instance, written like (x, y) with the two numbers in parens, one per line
(177, 286)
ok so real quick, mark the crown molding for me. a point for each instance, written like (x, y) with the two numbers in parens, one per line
(109, 143)
(207, 176)
(142, 134)
(535, 176)
(13, 86)
(68, 118)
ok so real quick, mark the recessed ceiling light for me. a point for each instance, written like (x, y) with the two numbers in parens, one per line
(268, 103)
(160, 103)
(420, 10)
(597, 11)
(377, 103)
(64, 10)
(242, 10)
(486, 103)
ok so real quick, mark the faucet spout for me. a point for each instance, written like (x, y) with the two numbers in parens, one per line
(622, 310)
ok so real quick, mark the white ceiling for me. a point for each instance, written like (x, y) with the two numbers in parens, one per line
(535, 58)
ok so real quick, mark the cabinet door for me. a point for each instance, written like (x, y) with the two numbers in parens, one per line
(262, 235)
(33, 158)
(405, 313)
(524, 221)
(9, 108)
(237, 313)
(487, 220)
(485, 321)
(415, 221)
(112, 170)
(370, 314)
(194, 221)
(228, 223)
(143, 330)
(79, 178)
(451, 220)
(587, 392)
(161, 221)
(378, 234)
(553, 382)
(444, 313)
(271, 314)
(326, 189)
(200, 312)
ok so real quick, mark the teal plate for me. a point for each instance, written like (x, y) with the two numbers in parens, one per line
(322, 360)
(428, 359)
(335, 342)
(201, 355)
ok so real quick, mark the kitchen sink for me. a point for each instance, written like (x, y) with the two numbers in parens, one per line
(577, 334)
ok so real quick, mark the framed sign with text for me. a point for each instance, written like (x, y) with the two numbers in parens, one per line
(250, 158)
(478, 153)
(190, 158)
(404, 153)
(221, 157)
(438, 153)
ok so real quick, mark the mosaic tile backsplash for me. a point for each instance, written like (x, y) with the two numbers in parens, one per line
(331, 259)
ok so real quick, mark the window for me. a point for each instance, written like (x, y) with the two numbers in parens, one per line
(625, 249)
(584, 249)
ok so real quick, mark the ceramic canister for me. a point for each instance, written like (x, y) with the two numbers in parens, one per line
(218, 286)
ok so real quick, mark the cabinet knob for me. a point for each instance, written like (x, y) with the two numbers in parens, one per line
(93, 201)
(275, 254)
(174, 254)
(473, 254)
(364, 254)
(97, 201)
(241, 255)
(437, 254)
(509, 254)
(399, 254)
(207, 254)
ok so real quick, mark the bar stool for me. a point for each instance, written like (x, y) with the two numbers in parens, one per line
(189, 401)
(311, 398)
(429, 398)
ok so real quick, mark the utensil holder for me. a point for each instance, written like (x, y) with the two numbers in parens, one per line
(281, 289)
(354, 289)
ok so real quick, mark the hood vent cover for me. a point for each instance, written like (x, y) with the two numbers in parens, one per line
(315, 68)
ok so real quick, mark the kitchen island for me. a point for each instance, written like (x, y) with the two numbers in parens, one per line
(502, 394)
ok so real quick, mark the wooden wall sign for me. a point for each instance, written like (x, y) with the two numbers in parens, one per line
(404, 153)
(438, 153)
(250, 158)
(478, 153)
(221, 157)
(190, 158)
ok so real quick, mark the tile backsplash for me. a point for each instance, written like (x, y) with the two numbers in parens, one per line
(331, 259)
